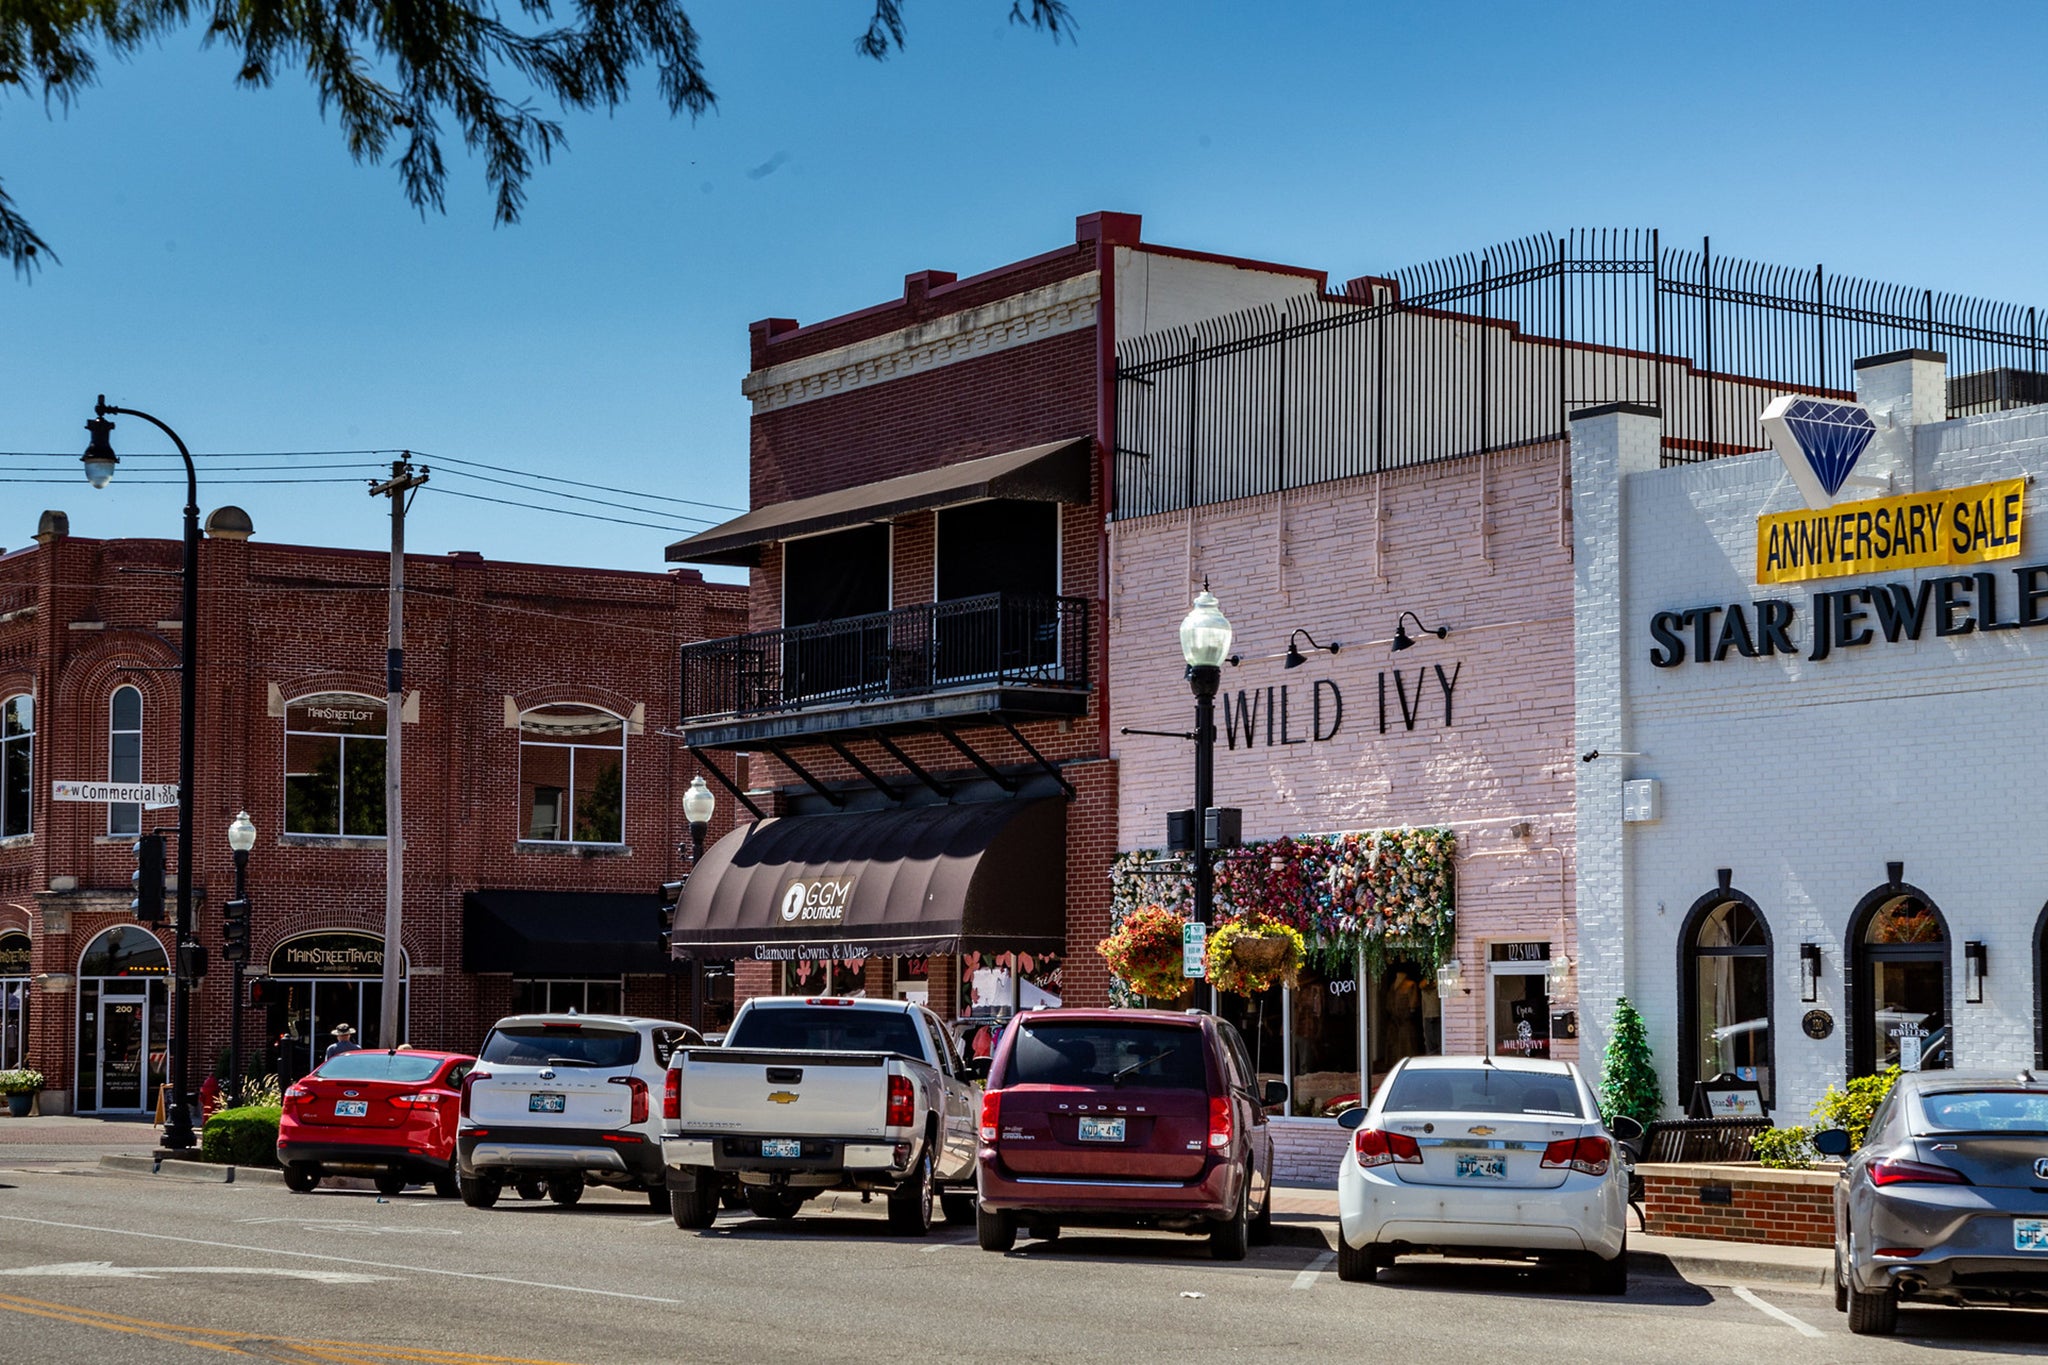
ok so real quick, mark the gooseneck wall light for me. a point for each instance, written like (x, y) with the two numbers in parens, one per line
(1402, 639)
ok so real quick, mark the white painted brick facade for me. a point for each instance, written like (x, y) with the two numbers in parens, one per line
(1805, 778)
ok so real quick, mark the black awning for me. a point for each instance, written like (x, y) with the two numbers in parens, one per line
(986, 877)
(1055, 472)
(561, 933)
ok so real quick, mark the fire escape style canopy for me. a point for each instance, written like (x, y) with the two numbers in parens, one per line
(1057, 472)
(982, 877)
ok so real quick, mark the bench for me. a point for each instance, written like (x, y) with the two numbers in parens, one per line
(1694, 1140)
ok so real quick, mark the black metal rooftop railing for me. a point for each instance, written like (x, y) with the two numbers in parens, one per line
(1494, 350)
(996, 639)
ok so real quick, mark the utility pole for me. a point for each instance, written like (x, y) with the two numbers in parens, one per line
(404, 480)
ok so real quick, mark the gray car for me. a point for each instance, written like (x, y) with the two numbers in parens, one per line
(1947, 1199)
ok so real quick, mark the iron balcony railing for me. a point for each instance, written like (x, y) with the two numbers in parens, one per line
(996, 639)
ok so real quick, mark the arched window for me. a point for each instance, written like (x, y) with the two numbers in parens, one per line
(572, 775)
(17, 765)
(124, 756)
(1901, 992)
(334, 765)
(1725, 994)
(122, 1020)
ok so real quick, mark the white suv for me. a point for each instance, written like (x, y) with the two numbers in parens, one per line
(557, 1101)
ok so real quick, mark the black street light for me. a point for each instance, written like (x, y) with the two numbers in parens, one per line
(99, 460)
(235, 936)
(698, 806)
(1204, 645)
(1403, 640)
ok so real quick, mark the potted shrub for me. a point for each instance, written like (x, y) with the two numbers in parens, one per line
(1144, 953)
(20, 1087)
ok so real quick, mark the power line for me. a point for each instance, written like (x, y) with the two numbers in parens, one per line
(578, 483)
(577, 497)
(559, 511)
(180, 483)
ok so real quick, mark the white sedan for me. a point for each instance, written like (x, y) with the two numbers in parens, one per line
(1487, 1157)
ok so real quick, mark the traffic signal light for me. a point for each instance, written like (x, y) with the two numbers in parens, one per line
(665, 918)
(264, 990)
(148, 879)
(191, 961)
(234, 930)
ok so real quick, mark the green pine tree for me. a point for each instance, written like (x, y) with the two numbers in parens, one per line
(1628, 1079)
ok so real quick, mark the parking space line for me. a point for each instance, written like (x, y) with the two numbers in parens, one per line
(1771, 1310)
(947, 1244)
(1307, 1278)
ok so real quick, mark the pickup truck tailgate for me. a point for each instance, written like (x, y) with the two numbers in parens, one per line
(751, 1090)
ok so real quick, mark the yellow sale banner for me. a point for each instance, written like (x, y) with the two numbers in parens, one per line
(1913, 531)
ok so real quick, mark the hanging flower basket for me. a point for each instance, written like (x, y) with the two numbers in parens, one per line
(1144, 953)
(1246, 958)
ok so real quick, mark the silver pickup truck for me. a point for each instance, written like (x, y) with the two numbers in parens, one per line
(809, 1095)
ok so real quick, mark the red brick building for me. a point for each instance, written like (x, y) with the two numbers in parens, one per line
(542, 798)
(921, 690)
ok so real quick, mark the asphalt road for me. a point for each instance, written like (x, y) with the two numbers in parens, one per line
(127, 1268)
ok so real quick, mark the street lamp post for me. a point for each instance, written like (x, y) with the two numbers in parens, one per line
(698, 805)
(99, 460)
(241, 838)
(1204, 645)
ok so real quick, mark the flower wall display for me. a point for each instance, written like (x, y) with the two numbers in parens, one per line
(1383, 892)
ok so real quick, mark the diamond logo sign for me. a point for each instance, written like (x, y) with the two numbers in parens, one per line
(1820, 440)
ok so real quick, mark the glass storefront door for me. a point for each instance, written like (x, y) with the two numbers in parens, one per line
(123, 1052)
(123, 1024)
(1518, 1000)
(14, 997)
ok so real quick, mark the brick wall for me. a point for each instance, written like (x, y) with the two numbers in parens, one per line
(1308, 1151)
(1740, 1204)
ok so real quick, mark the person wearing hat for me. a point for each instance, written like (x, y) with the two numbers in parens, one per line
(344, 1041)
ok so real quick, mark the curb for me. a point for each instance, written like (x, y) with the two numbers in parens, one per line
(192, 1172)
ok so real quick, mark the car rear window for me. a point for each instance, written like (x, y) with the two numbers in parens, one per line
(1167, 1057)
(405, 1067)
(827, 1028)
(1482, 1090)
(561, 1045)
(1986, 1111)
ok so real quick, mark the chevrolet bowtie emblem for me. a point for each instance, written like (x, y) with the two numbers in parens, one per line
(1480, 1130)
(782, 1097)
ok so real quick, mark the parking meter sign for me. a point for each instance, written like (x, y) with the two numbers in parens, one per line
(1194, 941)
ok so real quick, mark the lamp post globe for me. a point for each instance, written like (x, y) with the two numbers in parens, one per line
(242, 833)
(1205, 633)
(99, 458)
(1205, 636)
(698, 805)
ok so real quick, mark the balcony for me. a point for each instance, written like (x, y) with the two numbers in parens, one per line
(997, 657)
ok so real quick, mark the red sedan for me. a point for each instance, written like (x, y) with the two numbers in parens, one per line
(387, 1115)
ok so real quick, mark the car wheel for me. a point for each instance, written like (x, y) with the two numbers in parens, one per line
(531, 1187)
(779, 1205)
(696, 1207)
(995, 1231)
(910, 1204)
(1841, 1283)
(388, 1182)
(302, 1179)
(1229, 1238)
(1610, 1277)
(1261, 1232)
(480, 1192)
(566, 1190)
(448, 1186)
(958, 1207)
(1874, 1315)
(1360, 1265)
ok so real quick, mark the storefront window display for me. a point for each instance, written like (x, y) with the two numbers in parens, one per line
(1729, 982)
(840, 978)
(600, 996)
(1902, 988)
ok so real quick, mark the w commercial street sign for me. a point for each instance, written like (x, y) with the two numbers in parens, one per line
(137, 793)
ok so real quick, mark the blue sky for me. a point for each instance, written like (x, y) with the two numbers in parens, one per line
(227, 267)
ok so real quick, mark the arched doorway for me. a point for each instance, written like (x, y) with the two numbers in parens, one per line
(1724, 991)
(323, 980)
(1900, 996)
(123, 976)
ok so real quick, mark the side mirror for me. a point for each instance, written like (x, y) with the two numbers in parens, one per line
(1625, 1128)
(1273, 1094)
(1352, 1118)
(1831, 1142)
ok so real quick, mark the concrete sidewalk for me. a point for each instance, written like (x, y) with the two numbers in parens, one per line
(1304, 1212)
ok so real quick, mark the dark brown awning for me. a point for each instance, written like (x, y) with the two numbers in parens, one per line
(1057, 472)
(985, 877)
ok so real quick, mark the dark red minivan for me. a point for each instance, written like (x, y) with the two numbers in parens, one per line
(1125, 1118)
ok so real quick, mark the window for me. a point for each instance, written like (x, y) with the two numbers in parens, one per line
(1482, 1090)
(1141, 1056)
(839, 979)
(561, 1045)
(572, 775)
(997, 546)
(827, 1028)
(403, 1067)
(334, 766)
(832, 577)
(1518, 989)
(124, 756)
(1725, 990)
(1901, 987)
(17, 764)
(605, 996)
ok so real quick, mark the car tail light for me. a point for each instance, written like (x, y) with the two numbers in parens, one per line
(638, 1088)
(1913, 1173)
(418, 1099)
(468, 1085)
(1378, 1147)
(991, 1114)
(1586, 1155)
(900, 1102)
(672, 1096)
(297, 1093)
(1219, 1121)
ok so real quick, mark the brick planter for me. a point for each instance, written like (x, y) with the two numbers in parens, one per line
(1740, 1203)
(1308, 1151)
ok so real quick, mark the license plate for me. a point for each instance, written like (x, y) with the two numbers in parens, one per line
(1102, 1130)
(1482, 1168)
(782, 1147)
(351, 1109)
(2030, 1234)
(546, 1104)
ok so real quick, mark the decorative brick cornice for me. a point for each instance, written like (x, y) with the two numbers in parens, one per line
(1067, 306)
